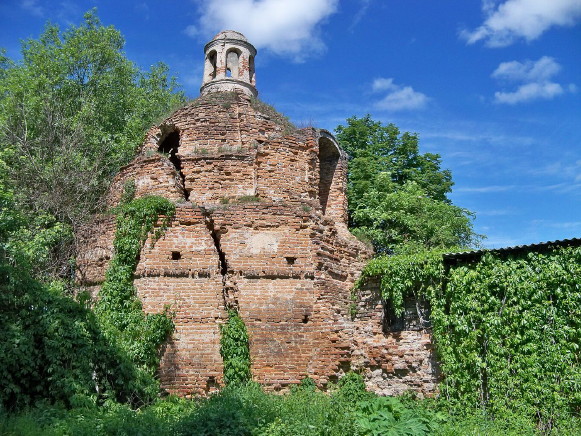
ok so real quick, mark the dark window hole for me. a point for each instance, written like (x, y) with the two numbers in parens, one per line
(290, 260)
(176, 255)
(170, 146)
(305, 319)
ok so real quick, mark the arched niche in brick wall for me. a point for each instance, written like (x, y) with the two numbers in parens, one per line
(328, 159)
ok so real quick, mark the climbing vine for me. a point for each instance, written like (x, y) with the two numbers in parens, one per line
(235, 350)
(507, 329)
(119, 310)
(417, 275)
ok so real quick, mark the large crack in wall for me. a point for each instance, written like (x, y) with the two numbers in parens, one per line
(170, 146)
(229, 287)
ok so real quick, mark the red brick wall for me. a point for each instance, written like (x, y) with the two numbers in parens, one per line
(284, 264)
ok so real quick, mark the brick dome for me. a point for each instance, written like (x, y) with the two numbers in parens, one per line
(227, 145)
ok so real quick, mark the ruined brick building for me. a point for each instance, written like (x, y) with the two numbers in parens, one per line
(261, 226)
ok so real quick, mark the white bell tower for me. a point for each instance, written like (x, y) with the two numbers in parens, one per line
(229, 64)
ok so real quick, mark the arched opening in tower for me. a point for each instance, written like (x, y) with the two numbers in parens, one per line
(169, 145)
(232, 63)
(328, 159)
(211, 65)
(251, 69)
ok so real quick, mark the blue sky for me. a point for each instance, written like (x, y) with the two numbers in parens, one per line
(493, 86)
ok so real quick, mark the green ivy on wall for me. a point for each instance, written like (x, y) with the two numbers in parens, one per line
(235, 350)
(136, 334)
(411, 275)
(507, 329)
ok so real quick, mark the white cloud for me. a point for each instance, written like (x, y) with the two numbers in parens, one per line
(534, 80)
(398, 97)
(143, 8)
(487, 189)
(528, 71)
(557, 224)
(192, 31)
(360, 13)
(281, 26)
(33, 7)
(530, 91)
(565, 169)
(514, 19)
(495, 212)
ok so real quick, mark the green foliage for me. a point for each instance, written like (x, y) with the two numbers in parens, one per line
(387, 416)
(417, 275)
(509, 335)
(375, 149)
(49, 343)
(118, 309)
(51, 346)
(244, 410)
(405, 219)
(308, 384)
(352, 388)
(478, 422)
(235, 350)
(129, 190)
(507, 330)
(72, 112)
(236, 411)
(397, 196)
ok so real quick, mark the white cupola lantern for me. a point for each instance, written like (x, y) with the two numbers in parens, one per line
(229, 64)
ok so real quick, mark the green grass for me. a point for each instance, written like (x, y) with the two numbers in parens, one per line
(247, 410)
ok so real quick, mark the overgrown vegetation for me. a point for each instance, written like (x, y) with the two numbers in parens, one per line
(507, 329)
(72, 111)
(55, 348)
(417, 275)
(244, 409)
(235, 350)
(118, 309)
(275, 116)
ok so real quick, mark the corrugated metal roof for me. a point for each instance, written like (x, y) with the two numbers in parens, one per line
(465, 256)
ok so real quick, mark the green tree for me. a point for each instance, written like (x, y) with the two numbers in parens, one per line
(54, 347)
(398, 196)
(72, 112)
(405, 219)
(50, 345)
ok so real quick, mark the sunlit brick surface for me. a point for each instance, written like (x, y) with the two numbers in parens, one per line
(260, 227)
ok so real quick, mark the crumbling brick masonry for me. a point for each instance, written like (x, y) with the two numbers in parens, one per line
(260, 225)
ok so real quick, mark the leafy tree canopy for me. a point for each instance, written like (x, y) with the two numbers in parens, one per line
(398, 196)
(72, 112)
